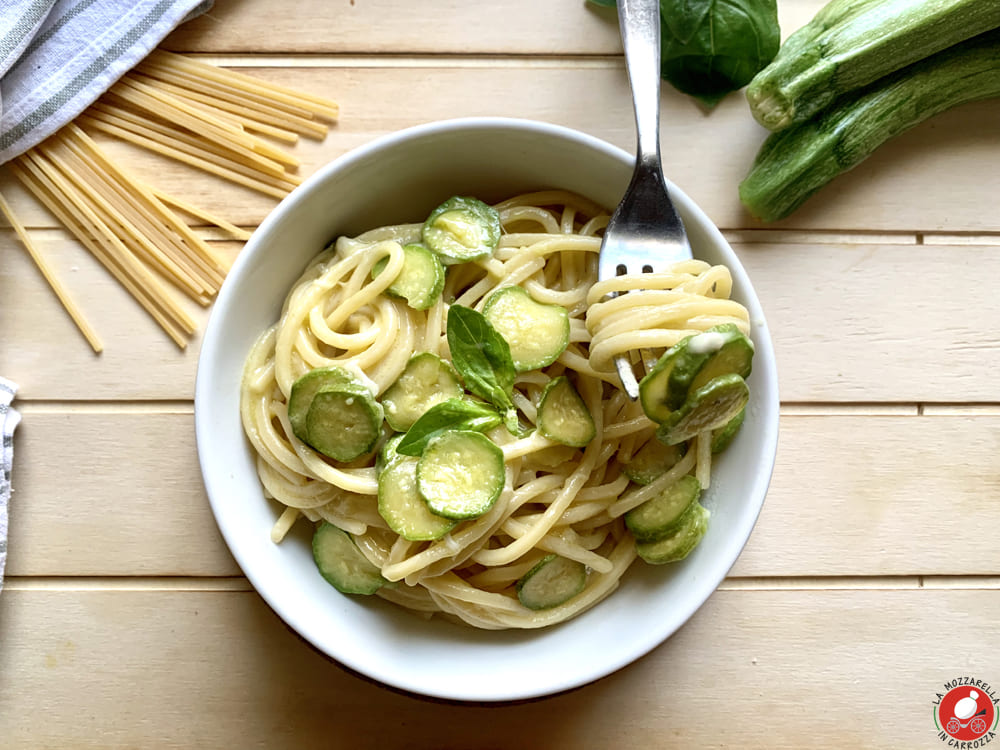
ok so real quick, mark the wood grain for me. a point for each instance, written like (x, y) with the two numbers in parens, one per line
(112, 491)
(519, 27)
(861, 323)
(705, 154)
(775, 669)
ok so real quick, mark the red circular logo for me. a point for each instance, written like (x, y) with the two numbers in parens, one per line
(965, 713)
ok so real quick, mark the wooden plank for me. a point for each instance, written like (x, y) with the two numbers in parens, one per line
(114, 492)
(452, 27)
(777, 670)
(916, 183)
(47, 357)
(851, 322)
(869, 323)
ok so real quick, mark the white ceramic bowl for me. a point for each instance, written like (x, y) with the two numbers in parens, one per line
(397, 178)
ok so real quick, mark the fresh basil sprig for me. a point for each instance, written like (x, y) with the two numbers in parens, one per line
(482, 358)
(451, 414)
(709, 48)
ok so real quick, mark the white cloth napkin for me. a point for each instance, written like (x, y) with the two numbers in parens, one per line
(8, 421)
(58, 56)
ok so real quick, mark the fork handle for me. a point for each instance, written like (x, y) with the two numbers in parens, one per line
(639, 21)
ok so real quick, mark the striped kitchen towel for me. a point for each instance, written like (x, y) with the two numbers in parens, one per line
(58, 56)
(8, 421)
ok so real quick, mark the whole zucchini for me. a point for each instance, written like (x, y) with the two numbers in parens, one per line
(851, 43)
(795, 163)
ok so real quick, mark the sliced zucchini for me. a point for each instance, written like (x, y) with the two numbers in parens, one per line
(453, 414)
(462, 229)
(536, 333)
(460, 474)
(679, 544)
(729, 351)
(342, 423)
(553, 581)
(655, 394)
(425, 381)
(420, 280)
(403, 509)
(690, 364)
(563, 416)
(387, 454)
(341, 562)
(652, 460)
(301, 395)
(663, 513)
(722, 437)
(708, 408)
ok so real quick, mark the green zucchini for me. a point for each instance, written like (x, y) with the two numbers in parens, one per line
(425, 381)
(462, 229)
(402, 508)
(460, 474)
(536, 333)
(795, 163)
(677, 545)
(710, 407)
(342, 423)
(420, 280)
(553, 581)
(653, 459)
(563, 416)
(342, 564)
(664, 513)
(303, 390)
(850, 44)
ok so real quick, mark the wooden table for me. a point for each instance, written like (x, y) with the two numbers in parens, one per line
(870, 581)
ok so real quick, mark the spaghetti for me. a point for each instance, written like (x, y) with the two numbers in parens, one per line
(556, 499)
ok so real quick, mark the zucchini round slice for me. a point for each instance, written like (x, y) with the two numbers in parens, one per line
(662, 514)
(342, 564)
(722, 437)
(708, 408)
(729, 351)
(563, 416)
(679, 544)
(403, 509)
(421, 279)
(425, 381)
(658, 392)
(535, 332)
(652, 460)
(460, 474)
(342, 423)
(301, 395)
(462, 229)
(553, 581)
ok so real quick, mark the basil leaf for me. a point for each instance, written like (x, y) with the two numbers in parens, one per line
(451, 414)
(481, 356)
(709, 48)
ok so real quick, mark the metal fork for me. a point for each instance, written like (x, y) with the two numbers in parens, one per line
(645, 233)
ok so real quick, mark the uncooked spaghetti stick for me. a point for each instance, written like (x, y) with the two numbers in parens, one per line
(323, 107)
(115, 215)
(148, 290)
(74, 312)
(213, 266)
(213, 167)
(31, 177)
(158, 133)
(234, 231)
(147, 97)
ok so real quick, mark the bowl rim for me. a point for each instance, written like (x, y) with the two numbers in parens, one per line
(706, 584)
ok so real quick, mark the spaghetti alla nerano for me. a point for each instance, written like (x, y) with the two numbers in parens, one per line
(559, 518)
